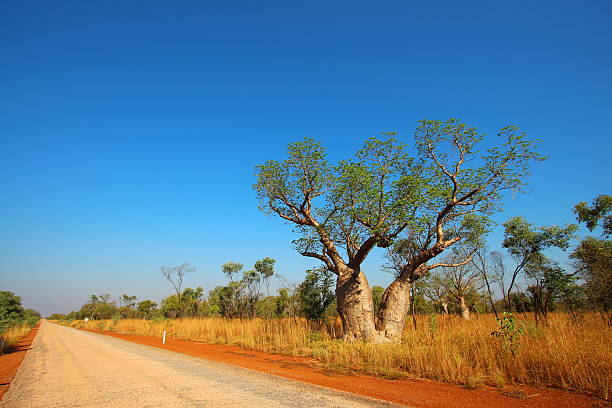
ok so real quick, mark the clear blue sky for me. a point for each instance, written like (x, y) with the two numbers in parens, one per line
(129, 131)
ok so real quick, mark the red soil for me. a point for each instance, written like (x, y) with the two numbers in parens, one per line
(11, 359)
(411, 392)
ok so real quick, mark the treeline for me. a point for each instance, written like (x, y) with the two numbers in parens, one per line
(246, 295)
(484, 284)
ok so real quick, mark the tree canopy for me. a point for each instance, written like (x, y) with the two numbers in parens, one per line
(438, 193)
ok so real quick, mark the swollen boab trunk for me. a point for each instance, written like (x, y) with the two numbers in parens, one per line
(393, 310)
(464, 310)
(356, 307)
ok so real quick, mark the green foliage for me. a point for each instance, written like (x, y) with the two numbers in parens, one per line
(549, 283)
(593, 259)
(523, 240)
(31, 317)
(11, 311)
(593, 256)
(265, 267)
(600, 209)
(377, 293)
(146, 308)
(171, 307)
(384, 190)
(316, 293)
(231, 268)
(242, 298)
(509, 333)
(525, 243)
(282, 306)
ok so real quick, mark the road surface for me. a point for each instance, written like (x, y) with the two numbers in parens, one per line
(72, 368)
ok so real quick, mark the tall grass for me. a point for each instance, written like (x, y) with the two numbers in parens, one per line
(569, 353)
(12, 335)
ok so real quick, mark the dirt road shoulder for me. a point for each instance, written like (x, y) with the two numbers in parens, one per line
(12, 358)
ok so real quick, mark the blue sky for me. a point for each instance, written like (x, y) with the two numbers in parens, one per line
(129, 130)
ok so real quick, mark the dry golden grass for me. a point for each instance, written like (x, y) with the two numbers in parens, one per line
(570, 353)
(12, 335)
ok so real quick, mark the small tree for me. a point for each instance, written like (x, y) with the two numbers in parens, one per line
(265, 268)
(232, 268)
(593, 256)
(146, 308)
(548, 283)
(461, 282)
(491, 268)
(435, 289)
(525, 243)
(315, 293)
(176, 274)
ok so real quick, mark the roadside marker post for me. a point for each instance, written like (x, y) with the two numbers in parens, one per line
(164, 338)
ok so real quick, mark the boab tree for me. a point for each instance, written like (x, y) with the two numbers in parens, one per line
(435, 199)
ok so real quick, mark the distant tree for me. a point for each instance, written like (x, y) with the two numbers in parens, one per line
(99, 307)
(593, 256)
(129, 301)
(31, 317)
(548, 283)
(265, 268)
(176, 274)
(593, 259)
(491, 267)
(315, 293)
(525, 243)
(282, 305)
(436, 290)
(437, 199)
(146, 308)
(127, 306)
(231, 269)
(252, 282)
(171, 307)
(243, 297)
(520, 301)
(377, 294)
(192, 302)
(461, 283)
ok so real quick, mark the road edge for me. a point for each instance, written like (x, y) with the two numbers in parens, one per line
(11, 362)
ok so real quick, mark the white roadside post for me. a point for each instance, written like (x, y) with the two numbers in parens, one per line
(164, 338)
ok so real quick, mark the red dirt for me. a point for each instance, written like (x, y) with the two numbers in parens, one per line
(12, 357)
(411, 392)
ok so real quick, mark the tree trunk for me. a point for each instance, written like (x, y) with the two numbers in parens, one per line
(445, 308)
(464, 309)
(393, 310)
(356, 308)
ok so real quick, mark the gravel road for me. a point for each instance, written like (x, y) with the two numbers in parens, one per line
(72, 368)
